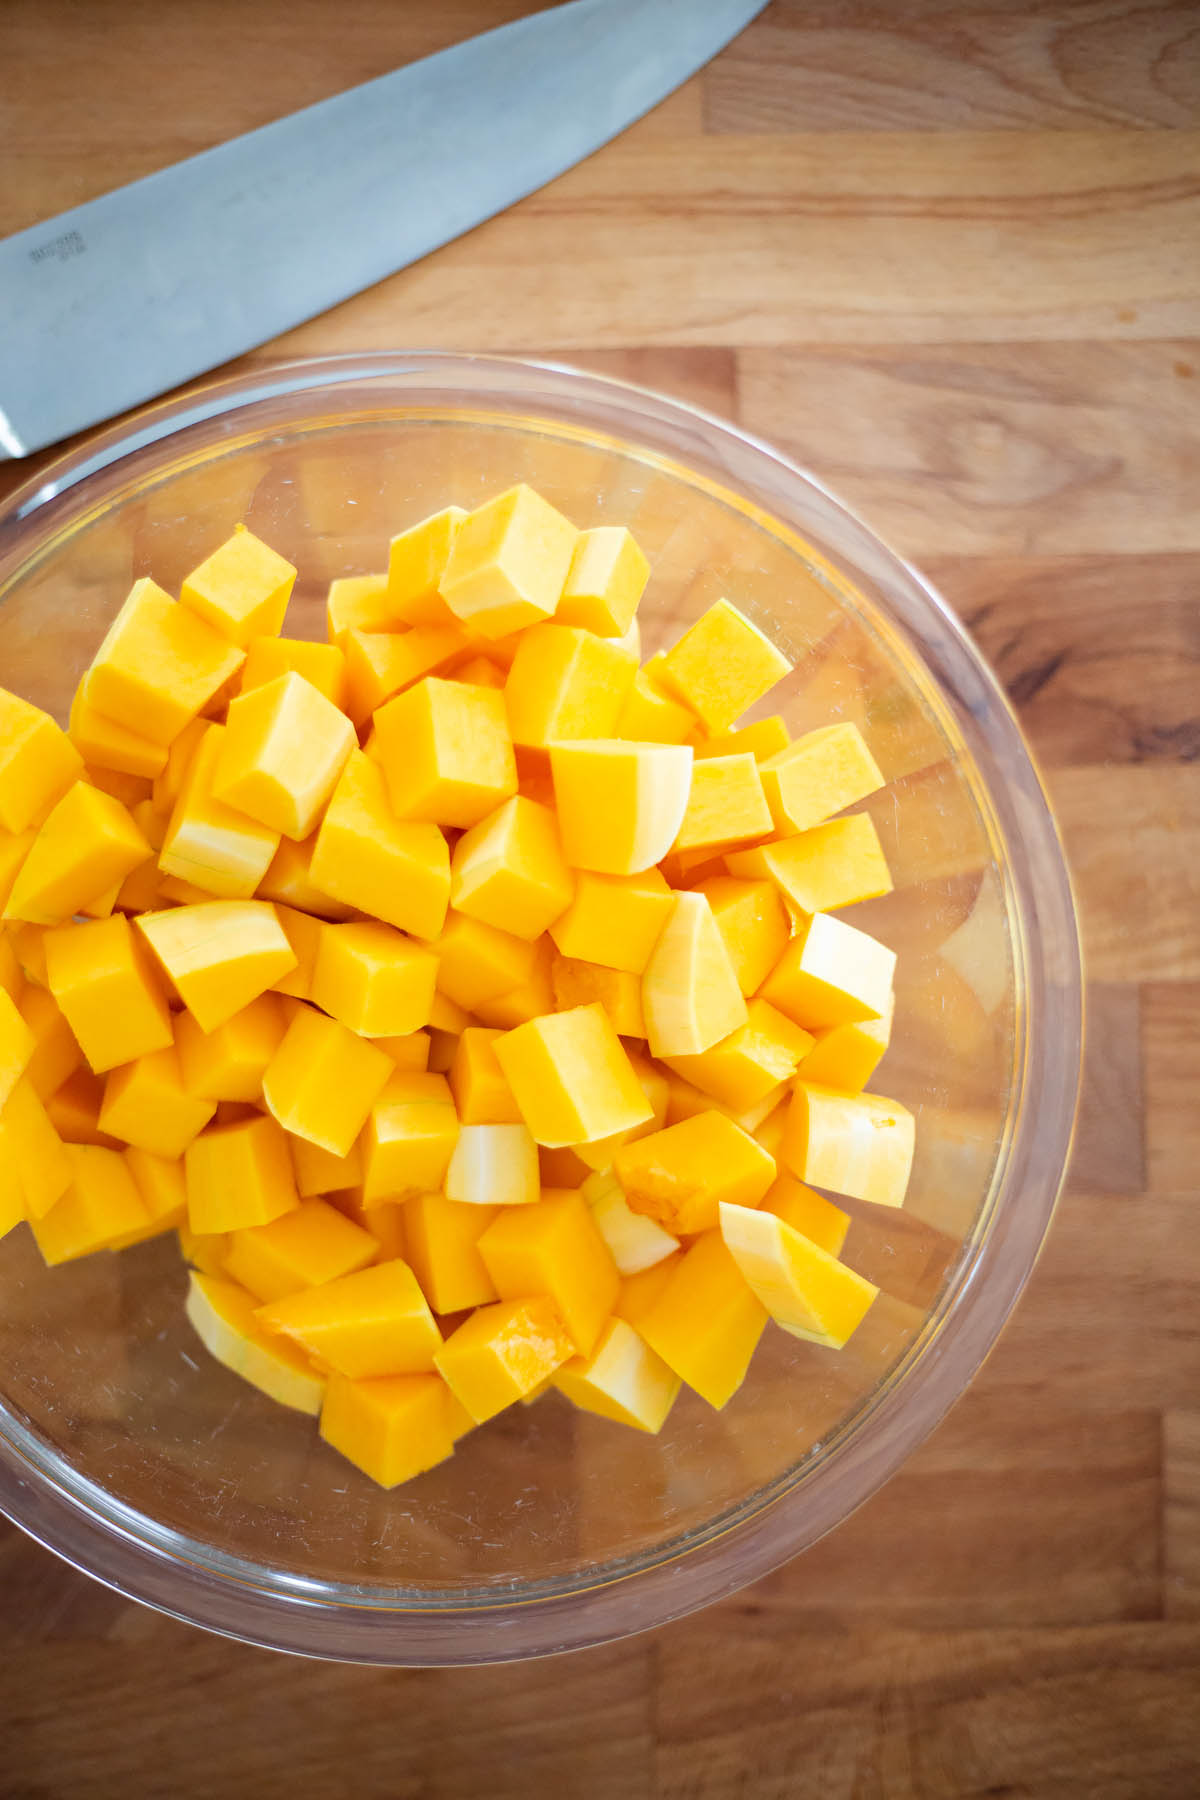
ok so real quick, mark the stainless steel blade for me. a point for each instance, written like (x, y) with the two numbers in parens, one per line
(115, 301)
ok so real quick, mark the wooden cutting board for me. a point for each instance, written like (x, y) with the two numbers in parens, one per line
(950, 259)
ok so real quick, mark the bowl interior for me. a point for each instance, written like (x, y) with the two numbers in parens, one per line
(110, 1395)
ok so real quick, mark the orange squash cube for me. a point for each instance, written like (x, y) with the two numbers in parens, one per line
(690, 993)
(238, 1175)
(322, 665)
(373, 1322)
(38, 763)
(605, 582)
(680, 1175)
(32, 1157)
(509, 870)
(229, 1062)
(620, 805)
(742, 1069)
(312, 1244)
(817, 776)
(392, 1427)
(623, 1379)
(102, 981)
(705, 1321)
(446, 752)
(554, 1248)
(442, 1239)
(373, 979)
(615, 920)
(87, 844)
(417, 561)
(753, 923)
(242, 589)
(219, 954)
(832, 865)
(283, 749)
(209, 843)
(101, 1205)
(478, 963)
(481, 1093)
(572, 1078)
(399, 870)
(726, 804)
(106, 744)
(721, 666)
(323, 1081)
(856, 1144)
(502, 1353)
(508, 563)
(409, 1138)
(159, 665)
(831, 974)
(566, 683)
(147, 1105)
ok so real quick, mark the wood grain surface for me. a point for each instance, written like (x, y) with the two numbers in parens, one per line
(950, 258)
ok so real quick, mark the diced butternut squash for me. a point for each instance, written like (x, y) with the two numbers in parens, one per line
(493, 1165)
(623, 1379)
(366, 857)
(566, 683)
(323, 1081)
(373, 979)
(615, 920)
(705, 1321)
(680, 1175)
(283, 748)
(17, 1045)
(726, 804)
(753, 922)
(690, 993)
(846, 1056)
(805, 1289)
(605, 582)
(392, 1427)
(32, 1154)
(598, 1153)
(304, 1248)
(650, 715)
(442, 1239)
(446, 752)
(87, 844)
(409, 1138)
(209, 843)
(743, 1068)
(616, 990)
(99, 1208)
(322, 665)
(532, 996)
(222, 1315)
(242, 589)
(620, 805)
(229, 1063)
(808, 1212)
(303, 933)
(358, 603)
(38, 763)
(146, 1104)
(163, 1186)
(836, 864)
(318, 1171)
(102, 981)
(856, 1144)
(508, 563)
(380, 664)
(238, 1176)
(831, 974)
(481, 1092)
(509, 870)
(373, 1322)
(219, 955)
(721, 666)
(106, 744)
(817, 776)
(477, 963)
(639, 1292)
(571, 1077)
(417, 561)
(763, 738)
(74, 1111)
(503, 1352)
(56, 1052)
(635, 1240)
(159, 665)
(289, 882)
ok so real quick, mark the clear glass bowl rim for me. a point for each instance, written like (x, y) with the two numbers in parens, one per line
(343, 1622)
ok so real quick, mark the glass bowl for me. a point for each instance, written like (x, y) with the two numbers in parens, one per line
(127, 1451)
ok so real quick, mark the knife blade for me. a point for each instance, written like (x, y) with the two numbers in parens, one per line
(117, 300)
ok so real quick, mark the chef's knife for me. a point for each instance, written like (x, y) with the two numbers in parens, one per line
(120, 299)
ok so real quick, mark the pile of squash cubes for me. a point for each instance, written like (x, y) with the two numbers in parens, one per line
(470, 999)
